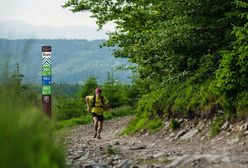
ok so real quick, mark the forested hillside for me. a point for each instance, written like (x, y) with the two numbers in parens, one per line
(73, 61)
(192, 55)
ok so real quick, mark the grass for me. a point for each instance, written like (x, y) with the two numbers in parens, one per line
(25, 135)
(111, 151)
(138, 124)
(174, 124)
(216, 126)
(87, 119)
(118, 112)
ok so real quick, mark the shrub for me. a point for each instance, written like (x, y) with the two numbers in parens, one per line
(174, 124)
(118, 112)
(242, 105)
(134, 126)
(216, 125)
(67, 108)
(154, 125)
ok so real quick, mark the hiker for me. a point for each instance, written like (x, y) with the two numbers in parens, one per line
(98, 103)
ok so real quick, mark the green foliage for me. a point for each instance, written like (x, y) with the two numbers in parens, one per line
(118, 112)
(25, 133)
(165, 38)
(67, 108)
(72, 105)
(135, 125)
(65, 89)
(191, 55)
(232, 74)
(89, 87)
(216, 125)
(174, 124)
(86, 119)
(111, 150)
(242, 105)
(154, 125)
(141, 122)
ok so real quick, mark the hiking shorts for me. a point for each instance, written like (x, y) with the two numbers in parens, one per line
(99, 117)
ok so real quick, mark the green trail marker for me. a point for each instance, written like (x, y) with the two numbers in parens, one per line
(46, 90)
(46, 71)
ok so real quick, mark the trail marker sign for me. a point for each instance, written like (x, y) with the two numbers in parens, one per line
(46, 80)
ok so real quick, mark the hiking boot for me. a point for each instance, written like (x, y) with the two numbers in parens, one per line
(99, 137)
(95, 135)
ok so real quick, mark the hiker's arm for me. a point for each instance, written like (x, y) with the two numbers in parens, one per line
(106, 103)
(87, 99)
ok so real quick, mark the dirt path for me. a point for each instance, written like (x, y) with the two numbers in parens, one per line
(187, 147)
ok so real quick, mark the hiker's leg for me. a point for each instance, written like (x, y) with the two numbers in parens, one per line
(100, 123)
(95, 125)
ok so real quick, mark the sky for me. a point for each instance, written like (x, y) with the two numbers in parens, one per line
(45, 12)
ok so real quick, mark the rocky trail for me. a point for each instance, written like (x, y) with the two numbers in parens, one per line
(189, 146)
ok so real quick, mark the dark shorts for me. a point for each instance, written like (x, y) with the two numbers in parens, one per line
(99, 117)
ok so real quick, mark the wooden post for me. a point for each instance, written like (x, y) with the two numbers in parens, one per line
(46, 80)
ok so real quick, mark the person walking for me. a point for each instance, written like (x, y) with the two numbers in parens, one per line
(98, 104)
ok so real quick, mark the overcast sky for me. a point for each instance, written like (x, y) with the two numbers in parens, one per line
(44, 12)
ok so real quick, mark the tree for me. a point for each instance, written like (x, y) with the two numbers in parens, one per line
(169, 39)
(232, 76)
(89, 87)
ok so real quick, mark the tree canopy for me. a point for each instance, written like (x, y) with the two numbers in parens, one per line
(178, 42)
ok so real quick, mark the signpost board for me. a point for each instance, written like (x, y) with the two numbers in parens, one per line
(46, 80)
(46, 90)
(46, 71)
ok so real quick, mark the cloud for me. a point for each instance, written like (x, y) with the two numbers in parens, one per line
(44, 12)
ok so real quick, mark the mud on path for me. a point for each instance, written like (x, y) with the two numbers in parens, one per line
(187, 147)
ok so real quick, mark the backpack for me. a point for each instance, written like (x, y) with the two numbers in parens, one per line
(94, 102)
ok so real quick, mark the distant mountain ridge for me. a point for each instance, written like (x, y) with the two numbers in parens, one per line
(24, 30)
(73, 61)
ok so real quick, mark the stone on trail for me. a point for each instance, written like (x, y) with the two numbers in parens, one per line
(124, 164)
(180, 133)
(233, 141)
(137, 147)
(190, 134)
(225, 125)
(160, 154)
(178, 161)
(116, 143)
(97, 165)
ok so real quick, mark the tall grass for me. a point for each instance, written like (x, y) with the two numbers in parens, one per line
(25, 134)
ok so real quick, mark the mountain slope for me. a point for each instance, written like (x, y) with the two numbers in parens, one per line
(73, 60)
(24, 30)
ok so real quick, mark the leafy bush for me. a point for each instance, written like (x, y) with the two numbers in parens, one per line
(68, 108)
(89, 87)
(174, 124)
(242, 105)
(216, 125)
(118, 112)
